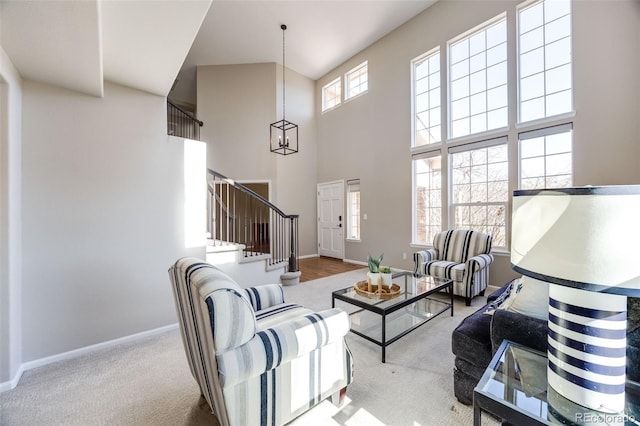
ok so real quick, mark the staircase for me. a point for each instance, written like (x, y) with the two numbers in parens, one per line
(249, 238)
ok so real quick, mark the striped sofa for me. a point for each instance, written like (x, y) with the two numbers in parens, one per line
(460, 255)
(257, 360)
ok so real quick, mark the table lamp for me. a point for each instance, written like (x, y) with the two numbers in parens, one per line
(585, 243)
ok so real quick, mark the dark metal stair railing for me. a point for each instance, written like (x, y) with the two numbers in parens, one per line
(236, 214)
(182, 123)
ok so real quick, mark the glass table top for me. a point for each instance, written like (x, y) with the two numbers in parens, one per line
(412, 286)
(519, 379)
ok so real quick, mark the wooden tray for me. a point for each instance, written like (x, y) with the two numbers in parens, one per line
(384, 293)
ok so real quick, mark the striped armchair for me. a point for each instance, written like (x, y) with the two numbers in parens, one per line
(460, 255)
(257, 360)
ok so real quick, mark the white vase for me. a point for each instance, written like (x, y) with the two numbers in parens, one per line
(386, 279)
(373, 279)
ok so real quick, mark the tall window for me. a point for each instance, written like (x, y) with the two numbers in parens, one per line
(357, 80)
(473, 176)
(331, 94)
(426, 99)
(353, 209)
(479, 189)
(427, 197)
(544, 54)
(545, 158)
(478, 98)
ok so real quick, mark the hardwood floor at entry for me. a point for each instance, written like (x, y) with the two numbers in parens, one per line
(318, 267)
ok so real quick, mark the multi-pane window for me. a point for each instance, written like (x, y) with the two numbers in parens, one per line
(427, 197)
(331, 94)
(478, 98)
(476, 174)
(426, 90)
(357, 80)
(479, 188)
(544, 55)
(353, 209)
(545, 158)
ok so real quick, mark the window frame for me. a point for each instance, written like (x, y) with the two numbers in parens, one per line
(433, 153)
(347, 92)
(425, 57)
(486, 25)
(337, 80)
(545, 132)
(353, 186)
(546, 118)
(511, 133)
(451, 212)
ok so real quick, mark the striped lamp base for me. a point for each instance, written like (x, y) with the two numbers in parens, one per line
(587, 347)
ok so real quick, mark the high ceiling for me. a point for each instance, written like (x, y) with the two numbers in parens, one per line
(320, 35)
(78, 44)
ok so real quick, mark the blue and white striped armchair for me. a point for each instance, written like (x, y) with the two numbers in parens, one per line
(459, 255)
(257, 360)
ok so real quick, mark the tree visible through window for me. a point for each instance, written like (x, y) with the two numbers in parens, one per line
(427, 198)
(474, 179)
(479, 190)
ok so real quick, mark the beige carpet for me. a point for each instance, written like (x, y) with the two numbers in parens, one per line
(148, 382)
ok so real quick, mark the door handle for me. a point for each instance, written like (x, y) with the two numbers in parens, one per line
(340, 225)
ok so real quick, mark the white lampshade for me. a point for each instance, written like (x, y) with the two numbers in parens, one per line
(586, 237)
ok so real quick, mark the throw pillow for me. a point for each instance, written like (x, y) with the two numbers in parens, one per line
(491, 307)
(529, 297)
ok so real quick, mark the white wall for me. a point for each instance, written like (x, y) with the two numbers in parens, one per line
(103, 217)
(295, 189)
(237, 103)
(369, 137)
(10, 219)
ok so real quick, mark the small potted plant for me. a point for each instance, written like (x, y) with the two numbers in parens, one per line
(373, 276)
(385, 276)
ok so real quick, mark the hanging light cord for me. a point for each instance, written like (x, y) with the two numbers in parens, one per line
(284, 27)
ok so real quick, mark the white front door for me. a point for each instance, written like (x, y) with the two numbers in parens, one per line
(330, 219)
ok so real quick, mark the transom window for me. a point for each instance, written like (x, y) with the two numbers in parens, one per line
(545, 158)
(479, 189)
(331, 94)
(478, 98)
(426, 90)
(544, 55)
(357, 80)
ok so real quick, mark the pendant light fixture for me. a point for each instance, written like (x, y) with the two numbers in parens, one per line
(283, 134)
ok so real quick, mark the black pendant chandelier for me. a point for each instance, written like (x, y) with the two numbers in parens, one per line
(283, 134)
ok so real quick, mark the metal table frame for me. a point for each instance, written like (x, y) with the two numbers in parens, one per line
(384, 311)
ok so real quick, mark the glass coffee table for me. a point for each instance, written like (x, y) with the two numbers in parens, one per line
(514, 389)
(383, 321)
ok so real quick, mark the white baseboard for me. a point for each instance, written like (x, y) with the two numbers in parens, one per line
(5, 386)
(355, 262)
(308, 256)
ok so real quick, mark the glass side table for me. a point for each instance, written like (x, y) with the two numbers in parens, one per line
(514, 389)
